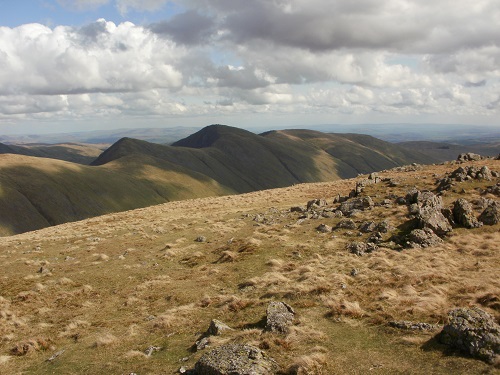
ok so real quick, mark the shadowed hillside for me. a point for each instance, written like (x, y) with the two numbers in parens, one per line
(217, 160)
(38, 192)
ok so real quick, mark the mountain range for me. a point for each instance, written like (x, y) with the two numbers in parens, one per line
(217, 160)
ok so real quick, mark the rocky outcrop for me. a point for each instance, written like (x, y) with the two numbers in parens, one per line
(491, 215)
(469, 156)
(422, 238)
(463, 214)
(462, 174)
(472, 331)
(280, 316)
(429, 213)
(236, 359)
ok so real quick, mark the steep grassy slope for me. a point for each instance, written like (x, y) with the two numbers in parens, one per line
(355, 153)
(37, 192)
(131, 292)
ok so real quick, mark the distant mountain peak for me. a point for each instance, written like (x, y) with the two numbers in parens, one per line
(207, 136)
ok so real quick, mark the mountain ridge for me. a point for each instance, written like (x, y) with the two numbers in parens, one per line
(216, 160)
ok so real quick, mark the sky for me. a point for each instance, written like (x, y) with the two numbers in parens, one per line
(76, 65)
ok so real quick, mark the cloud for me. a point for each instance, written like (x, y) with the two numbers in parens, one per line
(237, 57)
(100, 57)
(81, 5)
(124, 6)
(186, 28)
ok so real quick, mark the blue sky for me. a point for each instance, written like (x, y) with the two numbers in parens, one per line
(51, 13)
(96, 64)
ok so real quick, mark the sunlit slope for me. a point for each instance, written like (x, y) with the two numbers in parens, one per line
(37, 192)
(354, 153)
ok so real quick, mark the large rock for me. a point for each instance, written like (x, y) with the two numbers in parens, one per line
(429, 213)
(463, 214)
(236, 359)
(422, 238)
(491, 215)
(473, 331)
(280, 316)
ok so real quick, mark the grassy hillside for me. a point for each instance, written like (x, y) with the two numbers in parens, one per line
(217, 160)
(73, 152)
(36, 192)
(131, 292)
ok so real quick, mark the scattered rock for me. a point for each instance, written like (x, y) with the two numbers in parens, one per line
(202, 343)
(201, 239)
(236, 359)
(346, 224)
(473, 331)
(367, 227)
(422, 238)
(354, 272)
(217, 327)
(413, 326)
(463, 214)
(401, 201)
(495, 190)
(280, 315)
(361, 248)
(491, 215)
(362, 204)
(375, 238)
(149, 351)
(298, 209)
(323, 228)
(484, 174)
(316, 203)
(383, 227)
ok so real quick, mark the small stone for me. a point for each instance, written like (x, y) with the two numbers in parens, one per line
(323, 228)
(354, 272)
(201, 239)
(217, 327)
(279, 316)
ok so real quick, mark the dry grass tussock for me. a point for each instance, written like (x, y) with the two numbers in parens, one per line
(113, 286)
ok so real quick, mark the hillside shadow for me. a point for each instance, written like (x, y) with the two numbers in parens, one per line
(65, 194)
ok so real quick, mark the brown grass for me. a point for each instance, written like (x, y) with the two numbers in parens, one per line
(118, 284)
